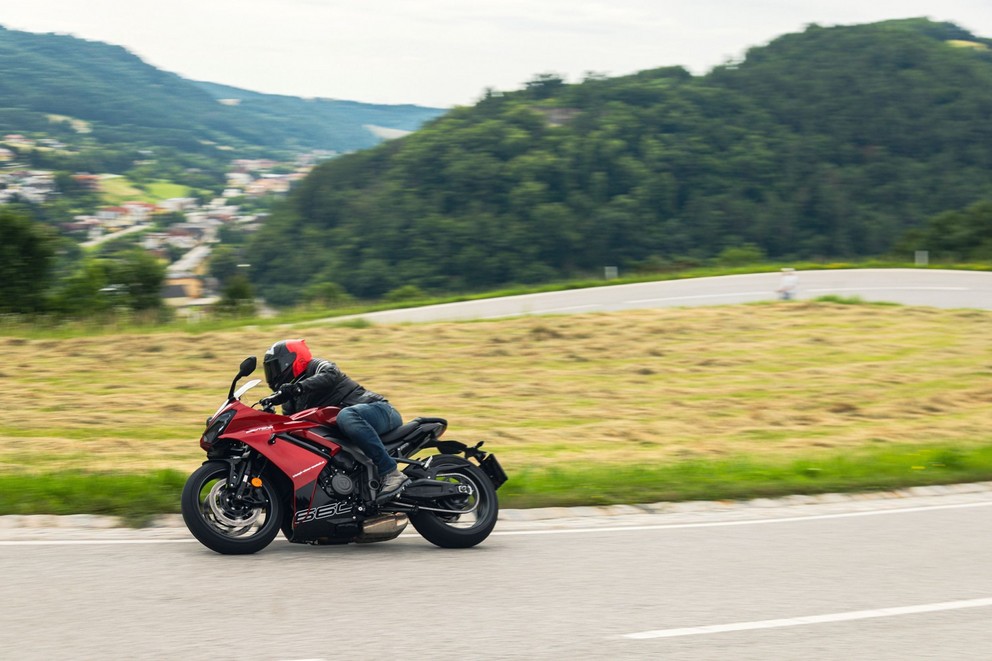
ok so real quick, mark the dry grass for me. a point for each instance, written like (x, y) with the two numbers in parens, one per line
(642, 386)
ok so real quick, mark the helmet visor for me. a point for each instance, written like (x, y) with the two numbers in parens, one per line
(274, 372)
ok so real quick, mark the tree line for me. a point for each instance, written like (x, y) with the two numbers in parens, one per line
(42, 273)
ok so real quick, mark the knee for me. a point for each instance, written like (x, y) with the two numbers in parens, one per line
(346, 418)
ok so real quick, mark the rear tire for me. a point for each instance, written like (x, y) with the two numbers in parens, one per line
(222, 524)
(453, 531)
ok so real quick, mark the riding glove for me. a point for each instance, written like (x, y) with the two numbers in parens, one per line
(286, 393)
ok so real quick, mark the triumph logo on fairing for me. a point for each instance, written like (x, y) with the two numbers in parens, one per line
(323, 512)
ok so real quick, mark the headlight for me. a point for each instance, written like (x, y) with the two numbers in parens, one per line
(216, 429)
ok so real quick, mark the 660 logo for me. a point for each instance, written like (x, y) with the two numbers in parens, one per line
(323, 512)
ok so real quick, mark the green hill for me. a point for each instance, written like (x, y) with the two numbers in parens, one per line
(830, 143)
(124, 101)
(326, 123)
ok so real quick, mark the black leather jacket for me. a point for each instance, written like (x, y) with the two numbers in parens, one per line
(324, 384)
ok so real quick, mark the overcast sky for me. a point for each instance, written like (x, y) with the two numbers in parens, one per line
(446, 52)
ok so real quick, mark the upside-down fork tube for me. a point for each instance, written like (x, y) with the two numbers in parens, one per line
(238, 483)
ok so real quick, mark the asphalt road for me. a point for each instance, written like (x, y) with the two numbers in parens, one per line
(875, 582)
(937, 288)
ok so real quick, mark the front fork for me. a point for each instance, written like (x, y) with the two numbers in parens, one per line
(244, 477)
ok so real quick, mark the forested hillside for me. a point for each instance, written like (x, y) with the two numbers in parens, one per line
(121, 100)
(831, 143)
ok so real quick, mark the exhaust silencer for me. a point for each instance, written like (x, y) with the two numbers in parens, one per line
(382, 528)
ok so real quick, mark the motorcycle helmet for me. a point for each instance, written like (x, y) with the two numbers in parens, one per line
(285, 361)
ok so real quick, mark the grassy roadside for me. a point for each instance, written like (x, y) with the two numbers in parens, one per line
(139, 497)
(637, 406)
(750, 476)
(135, 497)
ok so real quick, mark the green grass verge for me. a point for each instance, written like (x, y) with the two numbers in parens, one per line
(749, 477)
(137, 498)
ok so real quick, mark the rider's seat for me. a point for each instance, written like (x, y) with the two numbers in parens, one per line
(415, 429)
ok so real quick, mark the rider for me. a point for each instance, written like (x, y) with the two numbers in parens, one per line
(299, 381)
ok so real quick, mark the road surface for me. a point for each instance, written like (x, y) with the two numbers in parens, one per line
(893, 579)
(929, 287)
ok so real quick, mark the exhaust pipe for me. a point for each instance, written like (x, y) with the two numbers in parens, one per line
(382, 528)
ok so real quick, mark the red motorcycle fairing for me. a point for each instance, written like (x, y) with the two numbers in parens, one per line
(261, 431)
(300, 445)
(325, 415)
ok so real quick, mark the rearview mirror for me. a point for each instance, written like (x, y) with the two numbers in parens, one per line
(248, 366)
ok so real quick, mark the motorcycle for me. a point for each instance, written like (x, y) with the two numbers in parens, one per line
(298, 474)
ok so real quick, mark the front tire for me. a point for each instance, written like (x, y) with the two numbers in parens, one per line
(454, 531)
(223, 524)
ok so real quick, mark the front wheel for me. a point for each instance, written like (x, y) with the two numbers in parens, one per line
(221, 521)
(458, 531)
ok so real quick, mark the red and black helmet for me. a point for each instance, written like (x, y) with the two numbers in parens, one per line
(285, 361)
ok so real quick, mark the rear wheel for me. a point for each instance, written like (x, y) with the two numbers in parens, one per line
(223, 522)
(473, 516)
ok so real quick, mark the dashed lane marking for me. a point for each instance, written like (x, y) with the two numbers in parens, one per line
(811, 619)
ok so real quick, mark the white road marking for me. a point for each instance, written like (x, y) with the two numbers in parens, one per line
(558, 531)
(751, 522)
(90, 542)
(811, 619)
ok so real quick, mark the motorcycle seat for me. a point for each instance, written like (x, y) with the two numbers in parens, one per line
(415, 428)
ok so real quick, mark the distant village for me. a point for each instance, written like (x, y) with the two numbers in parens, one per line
(186, 288)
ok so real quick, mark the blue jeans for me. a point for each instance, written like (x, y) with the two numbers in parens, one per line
(362, 423)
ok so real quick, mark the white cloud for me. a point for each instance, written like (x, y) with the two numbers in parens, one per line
(444, 52)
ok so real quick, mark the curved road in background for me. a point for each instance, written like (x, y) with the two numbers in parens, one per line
(929, 287)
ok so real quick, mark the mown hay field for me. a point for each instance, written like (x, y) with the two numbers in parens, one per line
(647, 387)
